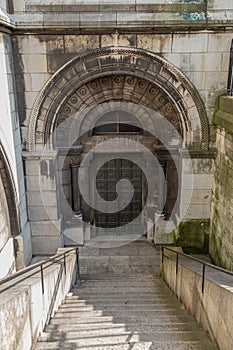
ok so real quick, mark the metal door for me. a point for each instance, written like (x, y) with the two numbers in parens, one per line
(106, 181)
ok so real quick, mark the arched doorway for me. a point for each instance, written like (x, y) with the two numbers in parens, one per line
(101, 85)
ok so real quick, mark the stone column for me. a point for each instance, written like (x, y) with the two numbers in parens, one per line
(76, 200)
(161, 190)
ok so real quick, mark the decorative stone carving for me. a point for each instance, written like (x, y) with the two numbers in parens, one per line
(120, 61)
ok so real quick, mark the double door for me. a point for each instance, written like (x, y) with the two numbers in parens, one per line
(110, 189)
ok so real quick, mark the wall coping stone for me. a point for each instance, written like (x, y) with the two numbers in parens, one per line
(224, 116)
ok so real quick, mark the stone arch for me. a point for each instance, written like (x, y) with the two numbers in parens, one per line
(9, 195)
(101, 63)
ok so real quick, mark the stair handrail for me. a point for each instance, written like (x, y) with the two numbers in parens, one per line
(230, 72)
(204, 264)
(41, 265)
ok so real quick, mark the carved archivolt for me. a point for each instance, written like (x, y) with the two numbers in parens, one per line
(114, 74)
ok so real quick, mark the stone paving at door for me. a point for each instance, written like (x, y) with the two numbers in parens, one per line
(131, 310)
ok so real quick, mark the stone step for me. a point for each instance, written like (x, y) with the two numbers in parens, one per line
(133, 282)
(127, 250)
(120, 284)
(116, 313)
(121, 301)
(147, 345)
(120, 288)
(146, 277)
(95, 267)
(85, 293)
(109, 327)
(120, 306)
(89, 339)
(128, 319)
(122, 311)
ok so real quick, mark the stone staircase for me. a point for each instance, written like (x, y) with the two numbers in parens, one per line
(123, 306)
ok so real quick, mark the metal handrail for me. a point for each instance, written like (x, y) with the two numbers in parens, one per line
(204, 264)
(230, 72)
(53, 260)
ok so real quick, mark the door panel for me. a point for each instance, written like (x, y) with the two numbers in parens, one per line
(106, 180)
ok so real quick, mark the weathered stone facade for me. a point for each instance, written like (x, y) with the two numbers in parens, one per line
(221, 239)
(68, 57)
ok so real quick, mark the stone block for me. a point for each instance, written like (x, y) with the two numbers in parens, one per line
(128, 40)
(190, 42)
(197, 181)
(45, 228)
(197, 197)
(42, 213)
(56, 61)
(39, 199)
(197, 166)
(19, 5)
(32, 182)
(225, 61)
(155, 42)
(36, 45)
(30, 98)
(88, 20)
(205, 62)
(40, 183)
(23, 44)
(34, 63)
(216, 81)
(80, 43)
(55, 44)
(38, 80)
(219, 42)
(32, 167)
(26, 234)
(221, 4)
(197, 78)
(195, 211)
(180, 61)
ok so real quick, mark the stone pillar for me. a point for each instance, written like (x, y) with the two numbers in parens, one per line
(161, 190)
(42, 203)
(19, 252)
(76, 200)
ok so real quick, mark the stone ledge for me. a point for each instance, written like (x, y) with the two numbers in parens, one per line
(198, 154)
(226, 104)
(224, 116)
(6, 20)
(117, 5)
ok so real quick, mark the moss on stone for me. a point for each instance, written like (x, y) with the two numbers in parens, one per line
(193, 235)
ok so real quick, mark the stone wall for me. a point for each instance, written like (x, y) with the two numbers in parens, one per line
(49, 35)
(213, 307)
(11, 141)
(202, 57)
(25, 310)
(221, 244)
